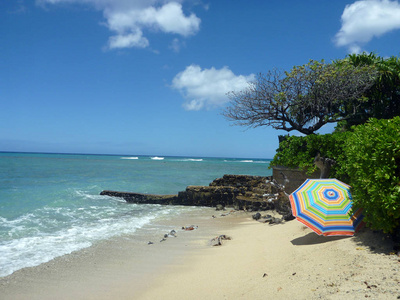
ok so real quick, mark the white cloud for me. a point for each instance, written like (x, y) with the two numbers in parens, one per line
(176, 45)
(128, 19)
(365, 19)
(128, 40)
(207, 88)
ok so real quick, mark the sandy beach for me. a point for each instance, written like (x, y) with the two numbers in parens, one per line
(261, 261)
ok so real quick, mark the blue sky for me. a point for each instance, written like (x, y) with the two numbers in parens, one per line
(149, 77)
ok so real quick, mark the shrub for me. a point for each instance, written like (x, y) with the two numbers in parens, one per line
(373, 165)
(300, 152)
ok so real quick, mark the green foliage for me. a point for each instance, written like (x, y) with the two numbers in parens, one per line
(373, 165)
(368, 158)
(382, 99)
(303, 99)
(300, 151)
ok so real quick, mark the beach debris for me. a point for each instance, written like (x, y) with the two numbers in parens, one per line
(213, 216)
(171, 233)
(150, 243)
(188, 228)
(370, 286)
(217, 241)
(265, 275)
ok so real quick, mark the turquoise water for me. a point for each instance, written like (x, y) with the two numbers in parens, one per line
(50, 203)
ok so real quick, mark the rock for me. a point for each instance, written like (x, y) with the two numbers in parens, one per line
(270, 220)
(150, 243)
(165, 236)
(256, 216)
(220, 207)
(242, 192)
(282, 206)
(263, 221)
(217, 241)
(275, 221)
(172, 233)
(288, 217)
(142, 198)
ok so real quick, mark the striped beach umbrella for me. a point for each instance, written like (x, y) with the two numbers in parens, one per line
(324, 205)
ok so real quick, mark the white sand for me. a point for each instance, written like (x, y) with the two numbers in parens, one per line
(285, 261)
(262, 261)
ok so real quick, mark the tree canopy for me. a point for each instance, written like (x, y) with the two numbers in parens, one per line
(383, 97)
(304, 99)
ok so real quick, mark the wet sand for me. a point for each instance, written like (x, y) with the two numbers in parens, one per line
(120, 268)
(261, 261)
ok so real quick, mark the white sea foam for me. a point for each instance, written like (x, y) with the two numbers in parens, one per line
(192, 159)
(133, 157)
(53, 231)
(248, 161)
(48, 214)
(157, 158)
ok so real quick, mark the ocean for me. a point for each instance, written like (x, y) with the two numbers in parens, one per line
(50, 203)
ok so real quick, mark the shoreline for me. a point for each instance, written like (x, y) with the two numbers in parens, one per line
(261, 261)
(108, 268)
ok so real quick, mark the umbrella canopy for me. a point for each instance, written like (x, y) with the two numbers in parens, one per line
(325, 205)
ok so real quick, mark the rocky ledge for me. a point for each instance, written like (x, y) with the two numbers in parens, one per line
(242, 192)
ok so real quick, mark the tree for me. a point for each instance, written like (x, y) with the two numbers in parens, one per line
(304, 99)
(383, 97)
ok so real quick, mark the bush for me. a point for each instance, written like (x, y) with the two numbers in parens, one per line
(367, 158)
(300, 152)
(373, 165)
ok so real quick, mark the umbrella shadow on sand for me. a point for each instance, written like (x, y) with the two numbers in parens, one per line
(313, 239)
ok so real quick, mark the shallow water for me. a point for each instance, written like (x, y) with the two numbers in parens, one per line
(50, 203)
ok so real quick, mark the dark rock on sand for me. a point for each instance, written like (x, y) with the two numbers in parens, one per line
(217, 241)
(220, 207)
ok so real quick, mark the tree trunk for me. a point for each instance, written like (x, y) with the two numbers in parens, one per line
(324, 164)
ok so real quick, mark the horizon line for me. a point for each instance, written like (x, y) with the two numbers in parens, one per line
(147, 155)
